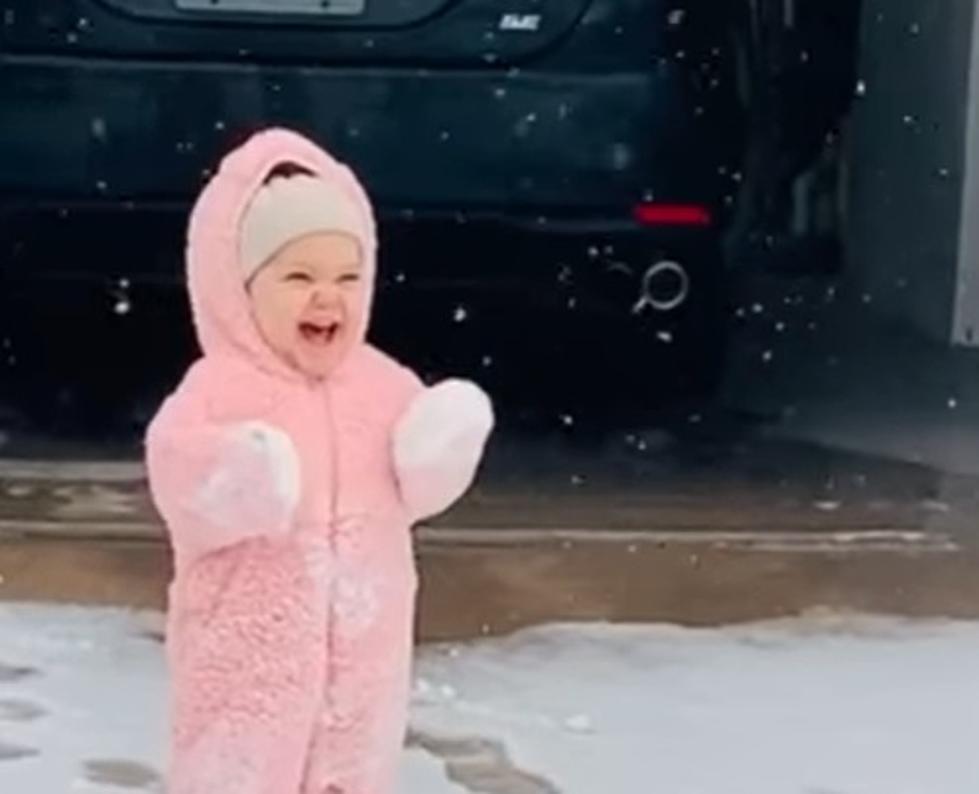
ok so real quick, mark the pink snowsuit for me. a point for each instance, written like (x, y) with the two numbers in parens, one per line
(289, 505)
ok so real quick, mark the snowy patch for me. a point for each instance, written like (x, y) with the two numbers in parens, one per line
(354, 593)
(356, 603)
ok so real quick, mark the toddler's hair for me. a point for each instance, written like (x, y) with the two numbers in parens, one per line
(287, 170)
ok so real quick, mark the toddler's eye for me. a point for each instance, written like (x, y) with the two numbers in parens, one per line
(298, 277)
(350, 278)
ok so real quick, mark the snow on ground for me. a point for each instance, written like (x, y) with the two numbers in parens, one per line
(815, 705)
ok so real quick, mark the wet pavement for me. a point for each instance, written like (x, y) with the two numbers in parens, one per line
(729, 477)
(727, 527)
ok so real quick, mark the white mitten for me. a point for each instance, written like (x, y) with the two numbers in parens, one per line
(438, 445)
(255, 486)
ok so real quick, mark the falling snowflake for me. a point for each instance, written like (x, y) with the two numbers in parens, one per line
(621, 156)
(579, 723)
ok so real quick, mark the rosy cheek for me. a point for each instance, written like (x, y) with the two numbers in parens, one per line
(355, 301)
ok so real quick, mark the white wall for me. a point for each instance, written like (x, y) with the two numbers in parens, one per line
(966, 323)
(907, 161)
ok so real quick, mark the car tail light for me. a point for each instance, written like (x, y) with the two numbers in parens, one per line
(656, 214)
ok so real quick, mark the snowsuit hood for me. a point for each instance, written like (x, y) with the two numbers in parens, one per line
(219, 298)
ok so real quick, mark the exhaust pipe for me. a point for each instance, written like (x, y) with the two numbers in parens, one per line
(665, 287)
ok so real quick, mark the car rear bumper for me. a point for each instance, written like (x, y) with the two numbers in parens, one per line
(521, 143)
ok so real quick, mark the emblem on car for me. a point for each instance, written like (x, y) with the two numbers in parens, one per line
(527, 23)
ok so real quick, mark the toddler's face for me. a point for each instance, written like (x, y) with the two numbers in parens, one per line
(308, 299)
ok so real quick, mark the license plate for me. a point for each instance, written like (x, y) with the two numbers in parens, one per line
(319, 8)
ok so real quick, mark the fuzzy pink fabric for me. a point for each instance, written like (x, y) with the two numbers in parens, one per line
(288, 505)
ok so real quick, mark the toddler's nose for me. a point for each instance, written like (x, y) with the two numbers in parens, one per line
(325, 295)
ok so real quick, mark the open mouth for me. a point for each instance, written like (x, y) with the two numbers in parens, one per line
(319, 333)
